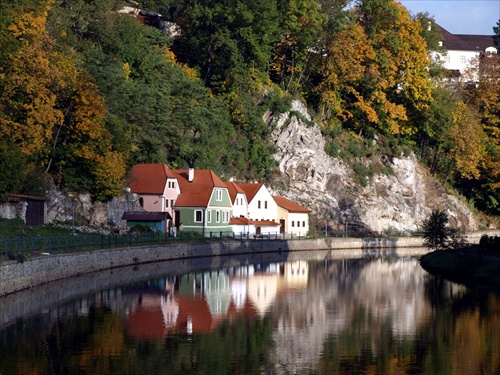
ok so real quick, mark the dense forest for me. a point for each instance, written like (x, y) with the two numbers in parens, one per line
(88, 91)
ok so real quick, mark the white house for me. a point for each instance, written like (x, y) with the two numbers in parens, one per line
(462, 50)
(261, 219)
(261, 205)
(293, 218)
(238, 200)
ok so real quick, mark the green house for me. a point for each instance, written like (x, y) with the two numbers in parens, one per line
(203, 205)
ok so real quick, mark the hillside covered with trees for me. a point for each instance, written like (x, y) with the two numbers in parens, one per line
(88, 91)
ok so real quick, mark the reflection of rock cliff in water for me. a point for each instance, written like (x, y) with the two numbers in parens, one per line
(358, 297)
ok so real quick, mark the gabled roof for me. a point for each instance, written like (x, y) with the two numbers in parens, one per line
(462, 42)
(149, 178)
(290, 206)
(233, 190)
(250, 190)
(196, 193)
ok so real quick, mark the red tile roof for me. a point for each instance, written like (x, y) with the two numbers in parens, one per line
(198, 192)
(239, 221)
(265, 223)
(290, 206)
(463, 42)
(250, 190)
(149, 178)
(258, 223)
(233, 189)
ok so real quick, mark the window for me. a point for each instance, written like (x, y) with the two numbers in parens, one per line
(166, 203)
(293, 223)
(265, 204)
(198, 216)
(298, 223)
(209, 216)
(219, 194)
(462, 60)
(258, 204)
(141, 202)
(217, 216)
(304, 224)
(172, 203)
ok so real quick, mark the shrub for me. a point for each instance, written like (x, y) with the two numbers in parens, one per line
(435, 230)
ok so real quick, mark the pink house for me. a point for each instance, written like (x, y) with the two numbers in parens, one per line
(156, 186)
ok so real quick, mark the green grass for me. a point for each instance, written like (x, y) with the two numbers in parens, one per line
(12, 228)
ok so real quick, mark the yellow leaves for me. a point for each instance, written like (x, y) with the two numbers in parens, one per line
(110, 173)
(126, 70)
(190, 72)
(468, 142)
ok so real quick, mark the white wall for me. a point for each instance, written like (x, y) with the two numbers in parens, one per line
(266, 210)
(240, 205)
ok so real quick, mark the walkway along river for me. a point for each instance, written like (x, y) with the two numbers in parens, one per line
(16, 276)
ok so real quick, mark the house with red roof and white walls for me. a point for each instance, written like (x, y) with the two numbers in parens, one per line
(262, 209)
(203, 205)
(239, 222)
(157, 189)
(462, 50)
(293, 218)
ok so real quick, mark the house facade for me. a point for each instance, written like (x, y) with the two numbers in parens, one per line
(293, 218)
(157, 189)
(462, 50)
(204, 205)
(261, 205)
(238, 200)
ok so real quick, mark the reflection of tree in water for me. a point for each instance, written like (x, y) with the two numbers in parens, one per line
(465, 327)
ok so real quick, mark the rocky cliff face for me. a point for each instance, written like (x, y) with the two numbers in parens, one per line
(390, 204)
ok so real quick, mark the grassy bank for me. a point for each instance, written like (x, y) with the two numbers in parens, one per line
(465, 266)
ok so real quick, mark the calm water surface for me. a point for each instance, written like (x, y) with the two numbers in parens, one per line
(268, 314)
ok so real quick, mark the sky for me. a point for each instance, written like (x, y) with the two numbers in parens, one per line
(475, 17)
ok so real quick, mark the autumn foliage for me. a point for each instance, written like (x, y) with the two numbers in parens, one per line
(88, 91)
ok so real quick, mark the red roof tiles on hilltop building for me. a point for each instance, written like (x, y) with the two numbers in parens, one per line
(461, 42)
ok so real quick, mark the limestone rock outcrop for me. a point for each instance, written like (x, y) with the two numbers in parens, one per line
(388, 204)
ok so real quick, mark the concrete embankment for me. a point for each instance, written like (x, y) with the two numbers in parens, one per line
(16, 276)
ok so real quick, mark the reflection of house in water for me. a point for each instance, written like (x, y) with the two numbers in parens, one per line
(295, 274)
(197, 303)
(154, 314)
(262, 289)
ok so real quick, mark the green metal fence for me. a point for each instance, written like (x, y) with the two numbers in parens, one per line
(14, 247)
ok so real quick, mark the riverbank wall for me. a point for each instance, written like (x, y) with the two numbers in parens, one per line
(16, 276)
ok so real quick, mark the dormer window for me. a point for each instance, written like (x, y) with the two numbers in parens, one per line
(219, 194)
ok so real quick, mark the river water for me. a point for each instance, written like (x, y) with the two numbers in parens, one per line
(300, 313)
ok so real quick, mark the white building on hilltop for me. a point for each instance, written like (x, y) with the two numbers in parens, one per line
(462, 52)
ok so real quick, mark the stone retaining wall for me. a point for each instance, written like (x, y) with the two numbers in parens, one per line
(18, 276)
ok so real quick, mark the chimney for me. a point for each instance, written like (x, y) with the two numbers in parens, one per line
(191, 175)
